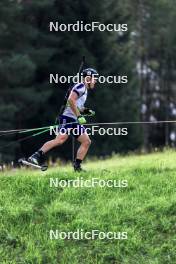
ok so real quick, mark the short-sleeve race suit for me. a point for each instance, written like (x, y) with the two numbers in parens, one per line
(68, 120)
(81, 91)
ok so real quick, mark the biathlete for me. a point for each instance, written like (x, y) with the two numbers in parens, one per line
(71, 118)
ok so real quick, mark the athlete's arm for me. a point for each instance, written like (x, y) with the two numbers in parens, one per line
(72, 102)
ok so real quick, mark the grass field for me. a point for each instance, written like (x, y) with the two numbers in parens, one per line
(146, 210)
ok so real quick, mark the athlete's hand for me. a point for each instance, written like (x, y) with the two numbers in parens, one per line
(81, 120)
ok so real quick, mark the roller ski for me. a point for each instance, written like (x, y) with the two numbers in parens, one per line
(37, 160)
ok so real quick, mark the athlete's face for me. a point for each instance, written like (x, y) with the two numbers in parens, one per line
(91, 81)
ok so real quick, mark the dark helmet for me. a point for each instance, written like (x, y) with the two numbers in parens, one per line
(89, 72)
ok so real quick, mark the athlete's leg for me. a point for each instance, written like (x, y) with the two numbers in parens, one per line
(38, 157)
(82, 151)
(64, 124)
(85, 141)
(59, 140)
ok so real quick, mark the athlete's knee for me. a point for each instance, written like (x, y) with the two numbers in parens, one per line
(87, 142)
(59, 141)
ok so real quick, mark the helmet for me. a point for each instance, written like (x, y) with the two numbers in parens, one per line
(89, 72)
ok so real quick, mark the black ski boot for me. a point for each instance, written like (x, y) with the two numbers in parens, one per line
(77, 166)
(38, 158)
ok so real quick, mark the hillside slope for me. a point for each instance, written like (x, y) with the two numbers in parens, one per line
(145, 209)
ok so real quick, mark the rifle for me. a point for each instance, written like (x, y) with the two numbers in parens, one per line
(70, 87)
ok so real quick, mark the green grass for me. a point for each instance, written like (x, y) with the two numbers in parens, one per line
(146, 209)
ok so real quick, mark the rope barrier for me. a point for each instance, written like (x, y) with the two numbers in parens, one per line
(21, 131)
(42, 130)
(128, 122)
